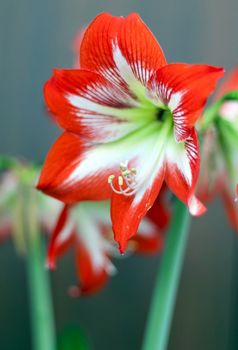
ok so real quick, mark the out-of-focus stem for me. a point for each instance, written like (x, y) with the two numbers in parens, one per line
(165, 292)
(42, 319)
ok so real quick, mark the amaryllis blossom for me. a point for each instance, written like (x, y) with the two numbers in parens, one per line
(219, 167)
(87, 229)
(129, 123)
(10, 205)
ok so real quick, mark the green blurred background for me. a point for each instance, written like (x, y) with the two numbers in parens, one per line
(36, 36)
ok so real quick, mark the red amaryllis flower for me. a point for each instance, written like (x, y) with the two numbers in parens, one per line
(129, 120)
(86, 228)
(219, 166)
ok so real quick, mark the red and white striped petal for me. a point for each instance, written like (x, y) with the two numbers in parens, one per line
(121, 49)
(86, 103)
(75, 170)
(129, 206)
(62, 238)
(91, 280)
(127, 212)
(92, 260)
(182, 168)
(184, 89)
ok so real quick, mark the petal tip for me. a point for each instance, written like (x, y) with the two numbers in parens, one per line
(122, 246)
(50, 264)
(196, 208)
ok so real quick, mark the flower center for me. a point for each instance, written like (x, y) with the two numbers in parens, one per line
(149, 143)
(161, 114)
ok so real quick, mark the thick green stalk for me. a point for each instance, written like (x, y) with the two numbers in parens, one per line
(42, 320)
(164, 298)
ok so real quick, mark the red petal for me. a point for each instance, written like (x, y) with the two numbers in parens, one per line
(75, 170)
(160, 212)
(58, 243)
(127, 212)
(134, 40)
(182, 171)
(63, 160)
(91, 279)
(149, 245)
(185, 89)
(86, 103)
(149, 238)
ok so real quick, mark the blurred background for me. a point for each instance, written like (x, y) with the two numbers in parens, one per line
(36, 36)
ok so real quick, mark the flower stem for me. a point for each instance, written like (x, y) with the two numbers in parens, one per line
(163, 302)
(42, 321)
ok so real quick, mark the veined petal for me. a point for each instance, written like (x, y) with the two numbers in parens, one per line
(128, 211)
(122, 49)
(92, 261)
(184, 89)
(182, 170)
(88, 104)
(91, 280)
(75, 170)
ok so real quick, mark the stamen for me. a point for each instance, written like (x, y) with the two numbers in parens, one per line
(127, 178)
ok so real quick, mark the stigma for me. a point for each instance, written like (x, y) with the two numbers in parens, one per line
(126, 180)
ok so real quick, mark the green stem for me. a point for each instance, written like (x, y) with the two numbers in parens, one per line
(42, 320)
(43, 331)
(163, 302)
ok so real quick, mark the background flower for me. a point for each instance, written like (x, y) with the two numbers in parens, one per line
(219, 168)
(86, 228)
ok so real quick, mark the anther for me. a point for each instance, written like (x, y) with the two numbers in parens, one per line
(123, 166)
(110, 178)
(120, 180)
(133, 170)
